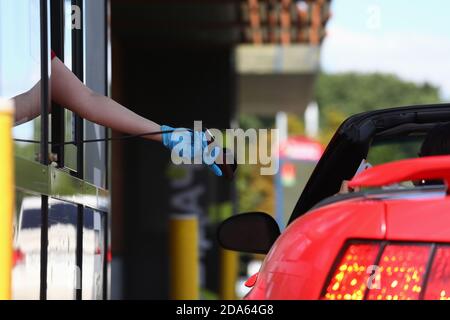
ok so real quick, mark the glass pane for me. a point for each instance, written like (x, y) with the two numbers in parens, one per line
(20, 67)
(68, 33)
(62, 273)
(70, 151)
(93, 254)
(27, 247)
(95, 76)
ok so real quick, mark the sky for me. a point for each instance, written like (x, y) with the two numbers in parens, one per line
(410, 38)
(20, 52)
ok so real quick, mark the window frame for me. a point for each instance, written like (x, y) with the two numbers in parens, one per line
(40, 178)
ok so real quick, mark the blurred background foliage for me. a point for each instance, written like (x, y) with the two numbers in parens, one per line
(344, 94)
(339, 96)
(255, 190)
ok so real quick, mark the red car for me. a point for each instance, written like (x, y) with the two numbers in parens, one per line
(384, 242)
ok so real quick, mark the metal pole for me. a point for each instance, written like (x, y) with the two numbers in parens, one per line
(229, 269)
(184, 257)
(281, 121)
(6, 197)
(45, 101)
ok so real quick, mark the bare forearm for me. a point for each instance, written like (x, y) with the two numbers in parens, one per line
(70, 92)
(27, 105)
(109, 113)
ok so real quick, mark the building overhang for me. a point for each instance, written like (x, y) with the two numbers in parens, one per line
(274, 78)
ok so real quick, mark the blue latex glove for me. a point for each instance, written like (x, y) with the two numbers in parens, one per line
(187, 137)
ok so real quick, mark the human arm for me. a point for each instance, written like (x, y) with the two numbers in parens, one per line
(27, 104)
(68, 91)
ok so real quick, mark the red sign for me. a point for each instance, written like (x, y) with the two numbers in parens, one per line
(301, 148)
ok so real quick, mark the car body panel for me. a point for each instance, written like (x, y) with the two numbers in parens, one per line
(419, 220)
(425, 168)
(297, 265)
(301, 259)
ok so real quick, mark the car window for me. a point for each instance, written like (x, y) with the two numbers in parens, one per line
(388, 150)
(364, 136)
(31, 219)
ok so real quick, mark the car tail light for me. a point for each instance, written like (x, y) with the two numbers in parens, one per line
(18, 257)
(438, 286)
(390, 271)
(350, 278)
(401, 272)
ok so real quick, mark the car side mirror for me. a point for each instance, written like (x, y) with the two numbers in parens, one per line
(253, 232)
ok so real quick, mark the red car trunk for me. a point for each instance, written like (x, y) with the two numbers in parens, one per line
(367, 248)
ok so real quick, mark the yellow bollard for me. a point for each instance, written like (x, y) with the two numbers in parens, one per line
(184, 257)
(6, 197)
(228, 274)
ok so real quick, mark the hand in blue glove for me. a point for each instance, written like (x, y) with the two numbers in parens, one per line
(191, 145)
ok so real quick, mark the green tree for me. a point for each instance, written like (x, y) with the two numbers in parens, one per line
(344, 94)
(355, 92)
